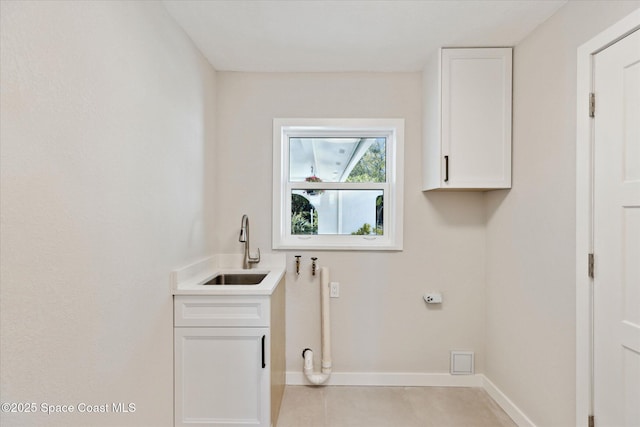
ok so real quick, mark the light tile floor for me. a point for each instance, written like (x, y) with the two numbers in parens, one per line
(306, 406)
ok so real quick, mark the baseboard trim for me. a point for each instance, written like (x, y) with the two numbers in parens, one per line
(414, 379)
(506, 404)
(391, 379)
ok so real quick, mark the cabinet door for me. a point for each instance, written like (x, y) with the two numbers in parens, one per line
(476, 118)
(222, 376)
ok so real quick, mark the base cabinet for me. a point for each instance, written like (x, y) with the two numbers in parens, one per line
(229, 366)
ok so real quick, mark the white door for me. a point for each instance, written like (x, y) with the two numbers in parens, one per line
(222, 377)
(617, 234)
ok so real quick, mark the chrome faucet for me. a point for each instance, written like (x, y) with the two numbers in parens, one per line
(244, 238)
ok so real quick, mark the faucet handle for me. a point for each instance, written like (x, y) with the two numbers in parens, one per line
(254, 260)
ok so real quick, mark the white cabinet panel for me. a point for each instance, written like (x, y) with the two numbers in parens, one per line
(235, 311)
(467, 135)
(222, 376)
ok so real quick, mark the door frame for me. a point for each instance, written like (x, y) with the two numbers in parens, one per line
(584, 209)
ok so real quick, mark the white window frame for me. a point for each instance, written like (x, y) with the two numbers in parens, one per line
(391, 129)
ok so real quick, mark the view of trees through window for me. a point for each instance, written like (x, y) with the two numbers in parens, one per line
(304, 217)
(370, 168)
(372, 165)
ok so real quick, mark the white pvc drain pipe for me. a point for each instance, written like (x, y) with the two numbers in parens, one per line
(318, 378)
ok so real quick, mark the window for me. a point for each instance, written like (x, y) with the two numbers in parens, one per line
(337, 184)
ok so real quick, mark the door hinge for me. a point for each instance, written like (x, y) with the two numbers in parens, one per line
(591, 265)
(592, 422)
(592, 104)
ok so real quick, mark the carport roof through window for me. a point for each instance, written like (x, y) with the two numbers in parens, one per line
(337, 159)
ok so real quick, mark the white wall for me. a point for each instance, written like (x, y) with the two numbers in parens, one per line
(106, 128)
(380, 322)
(531, 228)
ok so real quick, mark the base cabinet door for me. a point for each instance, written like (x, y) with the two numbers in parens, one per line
(222, 377)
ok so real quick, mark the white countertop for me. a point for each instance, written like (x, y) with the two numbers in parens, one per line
(190, 279)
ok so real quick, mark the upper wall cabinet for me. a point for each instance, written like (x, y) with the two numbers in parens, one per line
(467, 120)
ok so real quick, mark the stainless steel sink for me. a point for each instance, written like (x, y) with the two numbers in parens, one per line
(237, 279)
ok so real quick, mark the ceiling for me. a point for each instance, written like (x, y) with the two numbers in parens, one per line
(346, 35)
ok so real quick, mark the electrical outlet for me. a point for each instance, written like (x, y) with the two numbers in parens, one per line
(433, 298)
(334, 289)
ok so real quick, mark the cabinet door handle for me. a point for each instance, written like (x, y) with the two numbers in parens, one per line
(264, 365)
(446, 168)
